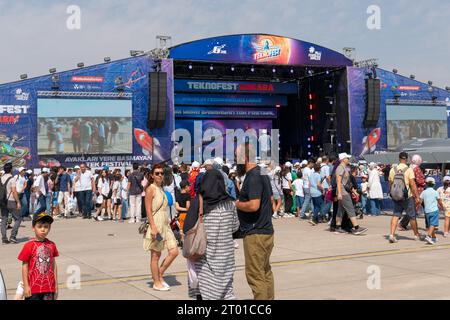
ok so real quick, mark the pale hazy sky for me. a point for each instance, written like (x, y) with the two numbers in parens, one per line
(414, 36)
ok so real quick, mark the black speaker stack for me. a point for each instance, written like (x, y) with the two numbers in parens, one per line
(373, 102)
(158, 104)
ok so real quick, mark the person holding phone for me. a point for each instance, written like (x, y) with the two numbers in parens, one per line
(159, 236)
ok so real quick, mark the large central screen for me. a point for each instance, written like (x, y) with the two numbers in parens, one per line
(406, 123)
(84, 126)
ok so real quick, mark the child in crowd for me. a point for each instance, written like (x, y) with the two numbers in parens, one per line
(117, 197)
(39, 271)
(183, 202)
(364, 193)
(432, 203)
(444, 193)
(299, 194)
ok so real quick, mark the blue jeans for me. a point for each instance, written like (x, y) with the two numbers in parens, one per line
(317, 202)
(375, 207)
(364, 202)
(42, 204)
(307, 203)
(24, 203)
(86, 202)
(299, 201)
(124, 208)
(48, 202)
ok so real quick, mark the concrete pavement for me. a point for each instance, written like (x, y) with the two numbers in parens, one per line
(308, 263)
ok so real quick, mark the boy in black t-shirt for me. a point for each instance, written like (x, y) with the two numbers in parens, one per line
(183, 202)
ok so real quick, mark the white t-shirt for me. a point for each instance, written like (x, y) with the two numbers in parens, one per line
(40, 183)
(85, 181)
(298, 185)
(117, 189)
(285, 181)
(177, 179)
(306, 172)
(20, 183)
(11, 184)
(125, 188)
(103, 186)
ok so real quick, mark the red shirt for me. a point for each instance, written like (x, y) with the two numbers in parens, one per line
(40, 257)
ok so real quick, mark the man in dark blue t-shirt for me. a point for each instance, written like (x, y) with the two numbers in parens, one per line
(255, 216)
(64, 184)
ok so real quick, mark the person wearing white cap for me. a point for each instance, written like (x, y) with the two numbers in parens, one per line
(193, 174)
(432, 203)
(275, 182)
(345, 203)
(286, 184)
(375, 190)
(444, 194)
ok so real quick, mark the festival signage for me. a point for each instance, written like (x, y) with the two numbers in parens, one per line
(259, 49)
(229, 100)
(218, 113)
(182, 85)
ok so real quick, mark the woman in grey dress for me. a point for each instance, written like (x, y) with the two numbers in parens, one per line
(215, 270)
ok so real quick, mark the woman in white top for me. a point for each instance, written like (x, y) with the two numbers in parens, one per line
(104, 190)
(375, 190)
(286, 184)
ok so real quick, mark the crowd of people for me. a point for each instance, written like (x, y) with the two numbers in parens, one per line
(87, 136)
(233, 201)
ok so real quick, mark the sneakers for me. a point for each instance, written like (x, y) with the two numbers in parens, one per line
(274, 216)
(359, 231)
(445, 235)
(340, 231)
(429, 240)
(131, 221)
(13, 240)
(5, 241)
(99, 218)
(392, 239)
(312, 222)
(164, 288)
(236, 244)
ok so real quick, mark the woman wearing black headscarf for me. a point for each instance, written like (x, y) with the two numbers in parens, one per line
(215, 270)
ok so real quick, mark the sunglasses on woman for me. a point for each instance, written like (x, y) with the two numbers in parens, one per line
(158, 174)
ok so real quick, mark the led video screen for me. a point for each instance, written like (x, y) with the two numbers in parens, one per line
(84, 126)
(406, 123)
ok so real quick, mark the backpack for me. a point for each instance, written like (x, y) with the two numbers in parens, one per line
(3, 194)
(399, 192)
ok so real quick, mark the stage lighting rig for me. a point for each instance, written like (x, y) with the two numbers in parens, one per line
(135, 53)
(55, 82)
